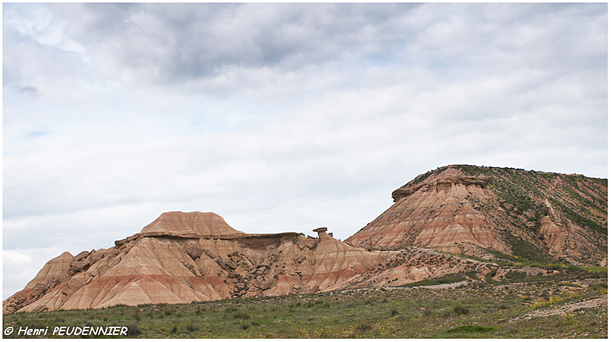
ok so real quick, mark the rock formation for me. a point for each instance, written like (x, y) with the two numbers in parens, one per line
(471, 210)
(482, 212)
(192, 257)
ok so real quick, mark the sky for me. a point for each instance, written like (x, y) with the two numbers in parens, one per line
(278, 117)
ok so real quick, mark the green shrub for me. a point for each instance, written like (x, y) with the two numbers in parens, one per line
(459, 310)
(239, 315)
(515, 275)
(191, 328)
(133, 330)
(470, 328)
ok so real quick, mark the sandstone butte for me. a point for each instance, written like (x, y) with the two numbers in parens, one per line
(191, 257)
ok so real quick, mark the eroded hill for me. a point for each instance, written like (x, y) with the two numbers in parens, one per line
(474, 210)
(193, 257)
(489, 214)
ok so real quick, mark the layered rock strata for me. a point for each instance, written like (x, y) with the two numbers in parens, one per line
(475, 210)
(191, 257)
(435, 213)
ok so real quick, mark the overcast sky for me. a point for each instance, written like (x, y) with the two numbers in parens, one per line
(278, 117)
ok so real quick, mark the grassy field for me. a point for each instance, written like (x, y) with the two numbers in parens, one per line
(476, 310)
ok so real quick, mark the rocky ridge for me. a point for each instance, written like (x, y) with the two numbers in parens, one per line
(473, 211)
(190, 257)
(478, 210)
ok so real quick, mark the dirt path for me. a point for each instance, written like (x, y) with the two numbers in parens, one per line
(440, 286)
(566, 308)
(446, 286)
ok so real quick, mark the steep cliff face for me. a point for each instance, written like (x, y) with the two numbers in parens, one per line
(187, 257)
(471, 210)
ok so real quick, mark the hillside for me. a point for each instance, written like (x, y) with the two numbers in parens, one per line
(455, 223)
(194, 257)
(484, 211)
(566, 308)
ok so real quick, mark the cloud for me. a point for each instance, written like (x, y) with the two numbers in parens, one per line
(184, 42)
(27, 89)
(280, 117)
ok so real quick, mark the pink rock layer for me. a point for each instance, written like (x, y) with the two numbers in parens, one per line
(193, 257)
(436, 213)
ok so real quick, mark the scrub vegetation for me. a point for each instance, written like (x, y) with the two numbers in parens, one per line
(515, 308)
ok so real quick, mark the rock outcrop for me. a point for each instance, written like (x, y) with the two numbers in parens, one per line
(54, 272)
(461, 209)
(436, 213)
(192, 257)
(474, 210)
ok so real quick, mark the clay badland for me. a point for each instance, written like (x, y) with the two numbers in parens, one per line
(457, 219)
